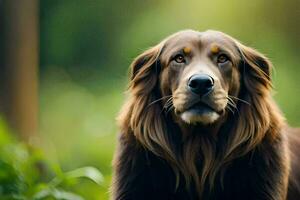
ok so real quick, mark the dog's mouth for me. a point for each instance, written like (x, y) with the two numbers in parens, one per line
(200, 112)
(200, 108)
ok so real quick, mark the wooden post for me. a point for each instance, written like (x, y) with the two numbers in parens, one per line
(19, 66)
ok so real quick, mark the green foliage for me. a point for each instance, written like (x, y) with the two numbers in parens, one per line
(25, 173)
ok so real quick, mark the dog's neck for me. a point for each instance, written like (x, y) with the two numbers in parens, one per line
(212, 130)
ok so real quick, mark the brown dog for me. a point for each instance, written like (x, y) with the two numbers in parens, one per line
(200, 123)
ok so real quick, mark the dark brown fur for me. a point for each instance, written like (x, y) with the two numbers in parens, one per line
(241, 150)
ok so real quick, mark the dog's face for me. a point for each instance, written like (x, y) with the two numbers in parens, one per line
(200, 71)
(203, 73)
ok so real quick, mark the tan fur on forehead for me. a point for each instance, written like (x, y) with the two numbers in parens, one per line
(187, 50)
(214, 48)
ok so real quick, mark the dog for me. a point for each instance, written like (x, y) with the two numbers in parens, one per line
(200, 123)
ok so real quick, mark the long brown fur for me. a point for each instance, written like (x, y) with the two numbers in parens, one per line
(257, 122)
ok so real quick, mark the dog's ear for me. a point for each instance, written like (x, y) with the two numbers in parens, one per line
(140, 116)
(255, 69)
(146, 68)
(257, 108)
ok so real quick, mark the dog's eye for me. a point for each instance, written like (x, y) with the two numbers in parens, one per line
(223, 58)
(179, 58)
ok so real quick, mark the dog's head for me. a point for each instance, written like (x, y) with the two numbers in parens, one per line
(199, 76)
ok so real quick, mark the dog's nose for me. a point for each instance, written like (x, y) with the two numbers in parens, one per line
(200, 84)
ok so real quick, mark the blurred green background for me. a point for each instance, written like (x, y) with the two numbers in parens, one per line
(85, 48)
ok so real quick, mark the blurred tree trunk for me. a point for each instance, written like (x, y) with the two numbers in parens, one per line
(19, 65)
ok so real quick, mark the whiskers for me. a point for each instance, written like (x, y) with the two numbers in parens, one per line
(168, 106)
(232, 106)
(238, 99)
(160, 99)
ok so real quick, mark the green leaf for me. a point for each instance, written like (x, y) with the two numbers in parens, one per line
(87, 172)
(57, 194)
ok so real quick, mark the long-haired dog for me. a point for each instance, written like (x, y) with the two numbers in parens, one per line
(200, 123)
